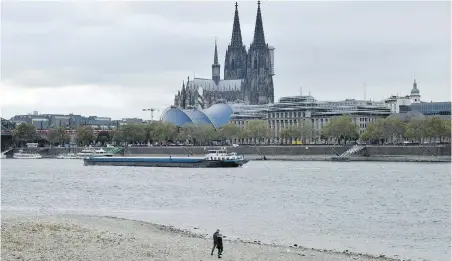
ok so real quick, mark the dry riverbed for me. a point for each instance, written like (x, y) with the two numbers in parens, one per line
(73, 237)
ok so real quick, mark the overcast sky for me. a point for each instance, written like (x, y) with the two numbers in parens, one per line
(111, 58)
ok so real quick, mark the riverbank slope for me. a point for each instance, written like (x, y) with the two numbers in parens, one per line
(74, 237)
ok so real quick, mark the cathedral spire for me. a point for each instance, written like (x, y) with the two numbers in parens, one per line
(259, 38)
(236, 39)
(216, 66)
(215, 56)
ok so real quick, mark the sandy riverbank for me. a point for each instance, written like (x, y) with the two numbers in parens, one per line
(74, 237)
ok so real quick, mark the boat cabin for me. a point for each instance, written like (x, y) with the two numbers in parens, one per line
(222, 155)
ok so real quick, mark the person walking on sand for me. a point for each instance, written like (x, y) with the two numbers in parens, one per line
(215, 240)
(220, 245)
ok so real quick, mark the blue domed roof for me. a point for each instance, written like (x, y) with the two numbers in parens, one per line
(217, 115)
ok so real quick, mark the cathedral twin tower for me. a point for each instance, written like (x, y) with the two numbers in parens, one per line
(248, 75)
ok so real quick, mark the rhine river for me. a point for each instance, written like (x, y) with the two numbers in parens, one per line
(396, 209)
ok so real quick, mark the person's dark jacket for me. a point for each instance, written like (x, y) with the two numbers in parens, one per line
(219, 243)
(215, 236)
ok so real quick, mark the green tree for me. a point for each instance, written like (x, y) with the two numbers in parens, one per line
(307, 130)
(341, 128)
(290, 133)
(58, 135)
(118, 137)
(187, 133)
(84, 135)
(24, 133)
(163, 131)
(434, 128)
(204, 133)
(230, 131)
(446, 131)
(133, 133)
(103, 137)
(393, 129)
(372, 133)
(416, 129)
(256, 129)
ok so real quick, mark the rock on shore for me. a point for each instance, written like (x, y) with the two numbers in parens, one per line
(73, 237)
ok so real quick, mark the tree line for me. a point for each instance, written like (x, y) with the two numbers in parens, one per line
(385, 130)
(337, 130)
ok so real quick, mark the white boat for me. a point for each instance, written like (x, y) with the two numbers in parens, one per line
(24, 155)
(69, 156)
(222, 154)
(94, 152)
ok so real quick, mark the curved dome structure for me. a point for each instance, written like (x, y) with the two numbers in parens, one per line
(217, 115)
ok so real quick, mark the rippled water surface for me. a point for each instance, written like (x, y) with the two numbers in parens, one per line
(396, 209)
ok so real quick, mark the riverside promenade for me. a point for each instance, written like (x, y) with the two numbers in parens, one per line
(387, 153)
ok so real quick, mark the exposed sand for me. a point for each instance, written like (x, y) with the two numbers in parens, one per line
(72, 237)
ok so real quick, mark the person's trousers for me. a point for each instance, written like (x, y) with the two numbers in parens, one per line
(213, 248)
(220, 251)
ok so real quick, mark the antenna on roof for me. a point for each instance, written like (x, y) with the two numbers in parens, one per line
(365, 91)
(301, 91)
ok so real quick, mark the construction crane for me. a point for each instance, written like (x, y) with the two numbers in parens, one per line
(152, 112)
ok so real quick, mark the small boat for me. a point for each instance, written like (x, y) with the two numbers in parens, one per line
(24, 155)
(214, 159)
(94, 152)
(69, 156)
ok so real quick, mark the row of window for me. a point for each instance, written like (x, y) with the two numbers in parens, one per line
(287, 114)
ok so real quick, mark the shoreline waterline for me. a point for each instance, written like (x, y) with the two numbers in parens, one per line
(18, 230)
(387, 158)
(327, 158)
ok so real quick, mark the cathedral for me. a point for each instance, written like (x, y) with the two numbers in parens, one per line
(248, 75)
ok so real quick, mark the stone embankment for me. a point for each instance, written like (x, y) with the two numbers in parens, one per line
(437, 153)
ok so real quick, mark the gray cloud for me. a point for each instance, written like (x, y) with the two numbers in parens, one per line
(329, 48)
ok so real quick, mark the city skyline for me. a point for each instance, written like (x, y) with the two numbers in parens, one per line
(116, 58)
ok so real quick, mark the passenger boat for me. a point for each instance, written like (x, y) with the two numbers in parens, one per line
(24, 155)
(69, 156)
(214, 159)
(94, 152)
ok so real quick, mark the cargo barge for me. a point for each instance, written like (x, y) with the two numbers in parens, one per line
(214, 159)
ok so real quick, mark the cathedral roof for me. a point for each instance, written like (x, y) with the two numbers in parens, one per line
(210, 85)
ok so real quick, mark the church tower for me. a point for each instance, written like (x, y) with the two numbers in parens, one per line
(183, 97)
(215, 66)
(235, 59)
(415, 94)
(259, 66)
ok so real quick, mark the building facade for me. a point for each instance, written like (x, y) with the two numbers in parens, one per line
(429, 108)
(248, 74)
(299, 110)
(394, 102)
(70, 121)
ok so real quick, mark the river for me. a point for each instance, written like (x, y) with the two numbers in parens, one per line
(400, 210)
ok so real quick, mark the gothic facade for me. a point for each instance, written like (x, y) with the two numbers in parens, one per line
(248, 75)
